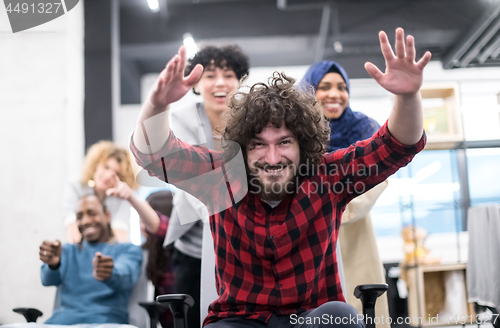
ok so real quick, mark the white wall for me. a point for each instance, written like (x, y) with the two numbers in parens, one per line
(41, 117)
(256, 74)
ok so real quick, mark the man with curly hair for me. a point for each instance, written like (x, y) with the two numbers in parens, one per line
(275, 226)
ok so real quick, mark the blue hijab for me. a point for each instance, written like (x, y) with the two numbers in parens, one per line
(350, 126)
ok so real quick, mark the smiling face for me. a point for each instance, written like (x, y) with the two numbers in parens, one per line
(332, 95)
(273, 157)
(91, 220)
(214, 86)
(104, 176)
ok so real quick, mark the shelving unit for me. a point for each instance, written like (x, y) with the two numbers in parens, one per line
(442, 116)
(427, 295)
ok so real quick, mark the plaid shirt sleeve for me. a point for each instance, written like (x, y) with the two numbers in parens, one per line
(354, 170)
(162, 228)
(197, 170)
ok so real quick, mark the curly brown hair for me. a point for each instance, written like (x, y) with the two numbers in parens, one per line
(273, 103)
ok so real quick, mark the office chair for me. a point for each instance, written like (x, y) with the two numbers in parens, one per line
(137, 303)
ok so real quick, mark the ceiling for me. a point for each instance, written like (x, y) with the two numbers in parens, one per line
(459, 33)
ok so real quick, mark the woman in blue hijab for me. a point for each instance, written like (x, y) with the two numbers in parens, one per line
(330, 84)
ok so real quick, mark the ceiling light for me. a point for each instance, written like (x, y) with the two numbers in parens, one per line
(337, 45)
(154, 5)
(191, 47)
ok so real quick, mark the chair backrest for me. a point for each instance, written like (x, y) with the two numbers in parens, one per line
(208, 290)
(137, 316)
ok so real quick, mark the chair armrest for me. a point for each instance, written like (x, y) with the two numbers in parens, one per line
(153, 306)
(372, 289)
(154, 309)
(29, 314)
(176, 298)
(368, 295)
(179, 305)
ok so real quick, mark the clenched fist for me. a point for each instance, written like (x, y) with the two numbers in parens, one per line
(50, 252)
(103, 266)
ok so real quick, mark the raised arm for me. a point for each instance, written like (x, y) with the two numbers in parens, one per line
(403, 77)
(151, 133)
(360, 167)
(203, 173)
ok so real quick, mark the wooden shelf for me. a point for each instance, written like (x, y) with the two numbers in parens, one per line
(427, 294)
(442, 116)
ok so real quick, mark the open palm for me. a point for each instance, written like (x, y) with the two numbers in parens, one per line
(171, 84)
(402, 75)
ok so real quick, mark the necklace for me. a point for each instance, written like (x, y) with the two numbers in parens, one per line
(217, 136)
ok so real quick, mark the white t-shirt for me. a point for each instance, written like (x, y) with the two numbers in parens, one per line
(272, 203)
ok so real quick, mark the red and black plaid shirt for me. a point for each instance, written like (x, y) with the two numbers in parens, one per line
(278, 260)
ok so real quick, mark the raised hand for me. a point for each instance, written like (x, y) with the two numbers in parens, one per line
(402, 74)
(103, 266)
(50, 252)
(171, 84)
(120, 190)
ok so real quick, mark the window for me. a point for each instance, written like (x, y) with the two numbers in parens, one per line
(483, 166)
(426, 191)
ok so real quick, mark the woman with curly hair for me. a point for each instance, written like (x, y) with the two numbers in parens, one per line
(107, 172)
(329, 82)
(224, 68)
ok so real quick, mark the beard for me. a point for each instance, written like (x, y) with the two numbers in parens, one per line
(273, 189)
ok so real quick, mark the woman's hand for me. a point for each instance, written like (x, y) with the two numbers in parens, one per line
(171, 84)
(402, 74)
(120, 190)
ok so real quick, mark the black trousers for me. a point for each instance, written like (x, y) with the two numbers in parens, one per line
(188, 276)
(331, 314)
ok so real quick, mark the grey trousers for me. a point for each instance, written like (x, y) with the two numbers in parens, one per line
(331, 314)
(42, 325)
